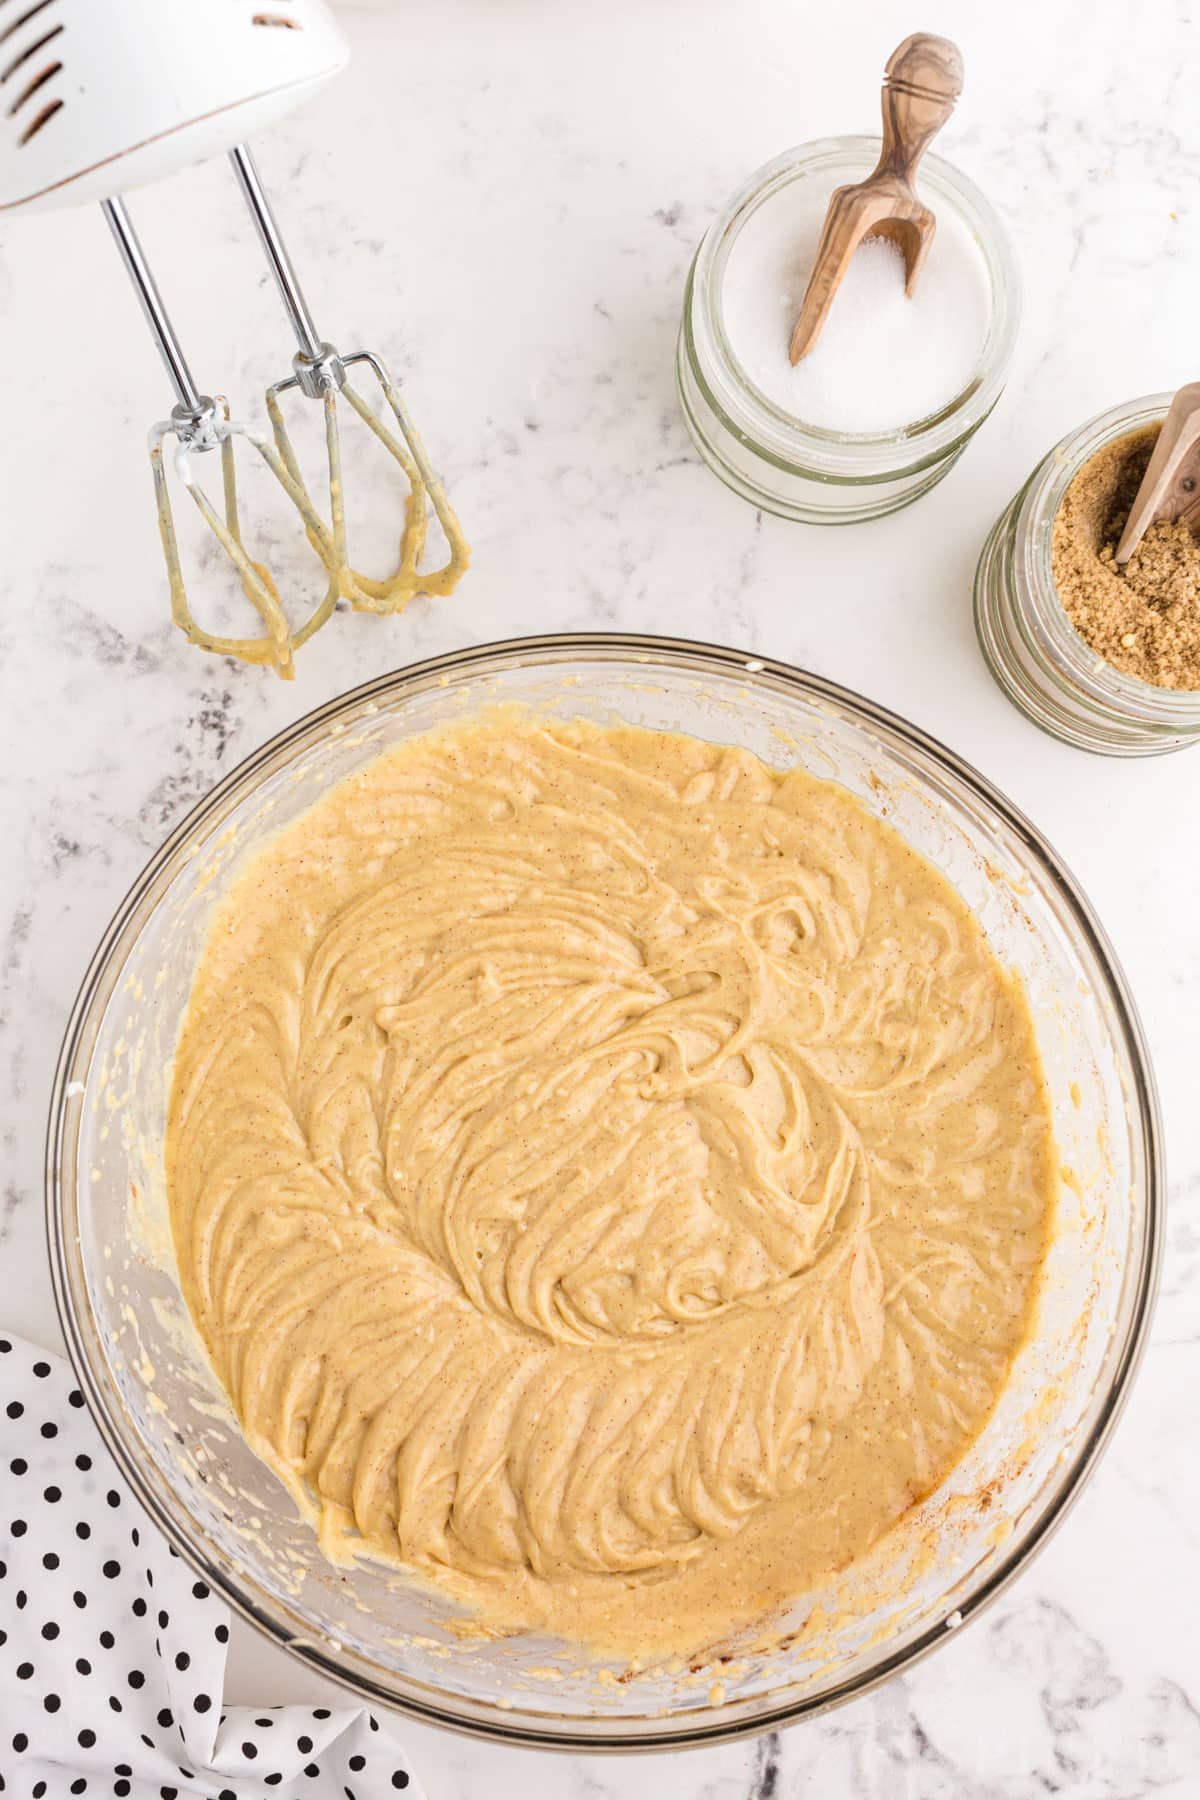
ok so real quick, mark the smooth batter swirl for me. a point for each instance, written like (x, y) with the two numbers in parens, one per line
(586, 1143)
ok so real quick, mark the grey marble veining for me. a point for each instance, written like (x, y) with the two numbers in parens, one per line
(503, 197)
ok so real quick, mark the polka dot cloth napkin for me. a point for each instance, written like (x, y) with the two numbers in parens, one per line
(112, 1654)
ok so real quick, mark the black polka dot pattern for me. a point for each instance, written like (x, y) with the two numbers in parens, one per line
(119, 1659)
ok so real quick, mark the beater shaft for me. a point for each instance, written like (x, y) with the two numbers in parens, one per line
(190, 403)
(313, 350)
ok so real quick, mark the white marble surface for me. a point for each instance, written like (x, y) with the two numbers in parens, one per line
(503, 195)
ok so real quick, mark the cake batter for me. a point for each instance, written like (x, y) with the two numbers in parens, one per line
(609, 1177)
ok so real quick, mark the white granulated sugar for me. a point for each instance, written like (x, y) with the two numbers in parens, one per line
(883, 360)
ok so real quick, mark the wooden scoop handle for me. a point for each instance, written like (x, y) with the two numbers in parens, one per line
(921, 83)
(923, 79)
(1171, 485)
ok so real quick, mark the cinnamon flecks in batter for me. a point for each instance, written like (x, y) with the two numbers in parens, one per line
(609, 1176)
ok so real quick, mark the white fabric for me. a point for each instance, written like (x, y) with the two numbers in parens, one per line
(112, 1653)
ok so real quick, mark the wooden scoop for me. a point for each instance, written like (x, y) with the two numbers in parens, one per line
(922, 81)
(1171, 485)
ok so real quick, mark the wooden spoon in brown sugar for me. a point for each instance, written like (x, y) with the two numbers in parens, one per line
(1171, 485)
(921, 83)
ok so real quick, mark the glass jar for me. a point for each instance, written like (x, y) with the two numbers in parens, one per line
(1029, 643)
(802, 471)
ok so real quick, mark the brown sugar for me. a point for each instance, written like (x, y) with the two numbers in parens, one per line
(1144, 617)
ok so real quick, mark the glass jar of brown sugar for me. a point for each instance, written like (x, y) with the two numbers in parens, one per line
(1028, 638)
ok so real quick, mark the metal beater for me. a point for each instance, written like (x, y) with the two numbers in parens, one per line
(200, 422)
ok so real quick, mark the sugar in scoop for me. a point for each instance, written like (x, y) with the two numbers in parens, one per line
(883, 360)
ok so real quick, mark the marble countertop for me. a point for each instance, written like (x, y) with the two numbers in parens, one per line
(504, 199)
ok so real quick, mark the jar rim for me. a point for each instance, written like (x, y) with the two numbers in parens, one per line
(812, 449)
(1071, 657)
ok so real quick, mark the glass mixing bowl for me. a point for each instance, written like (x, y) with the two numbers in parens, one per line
(155, 1399)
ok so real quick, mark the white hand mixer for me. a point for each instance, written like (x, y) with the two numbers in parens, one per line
(100, 95)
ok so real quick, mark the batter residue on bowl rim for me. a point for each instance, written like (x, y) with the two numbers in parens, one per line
(609, 1176)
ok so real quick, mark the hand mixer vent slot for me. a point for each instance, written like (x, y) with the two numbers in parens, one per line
(31, 12)
(39, 119)
(277, 19)
(22, 64)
